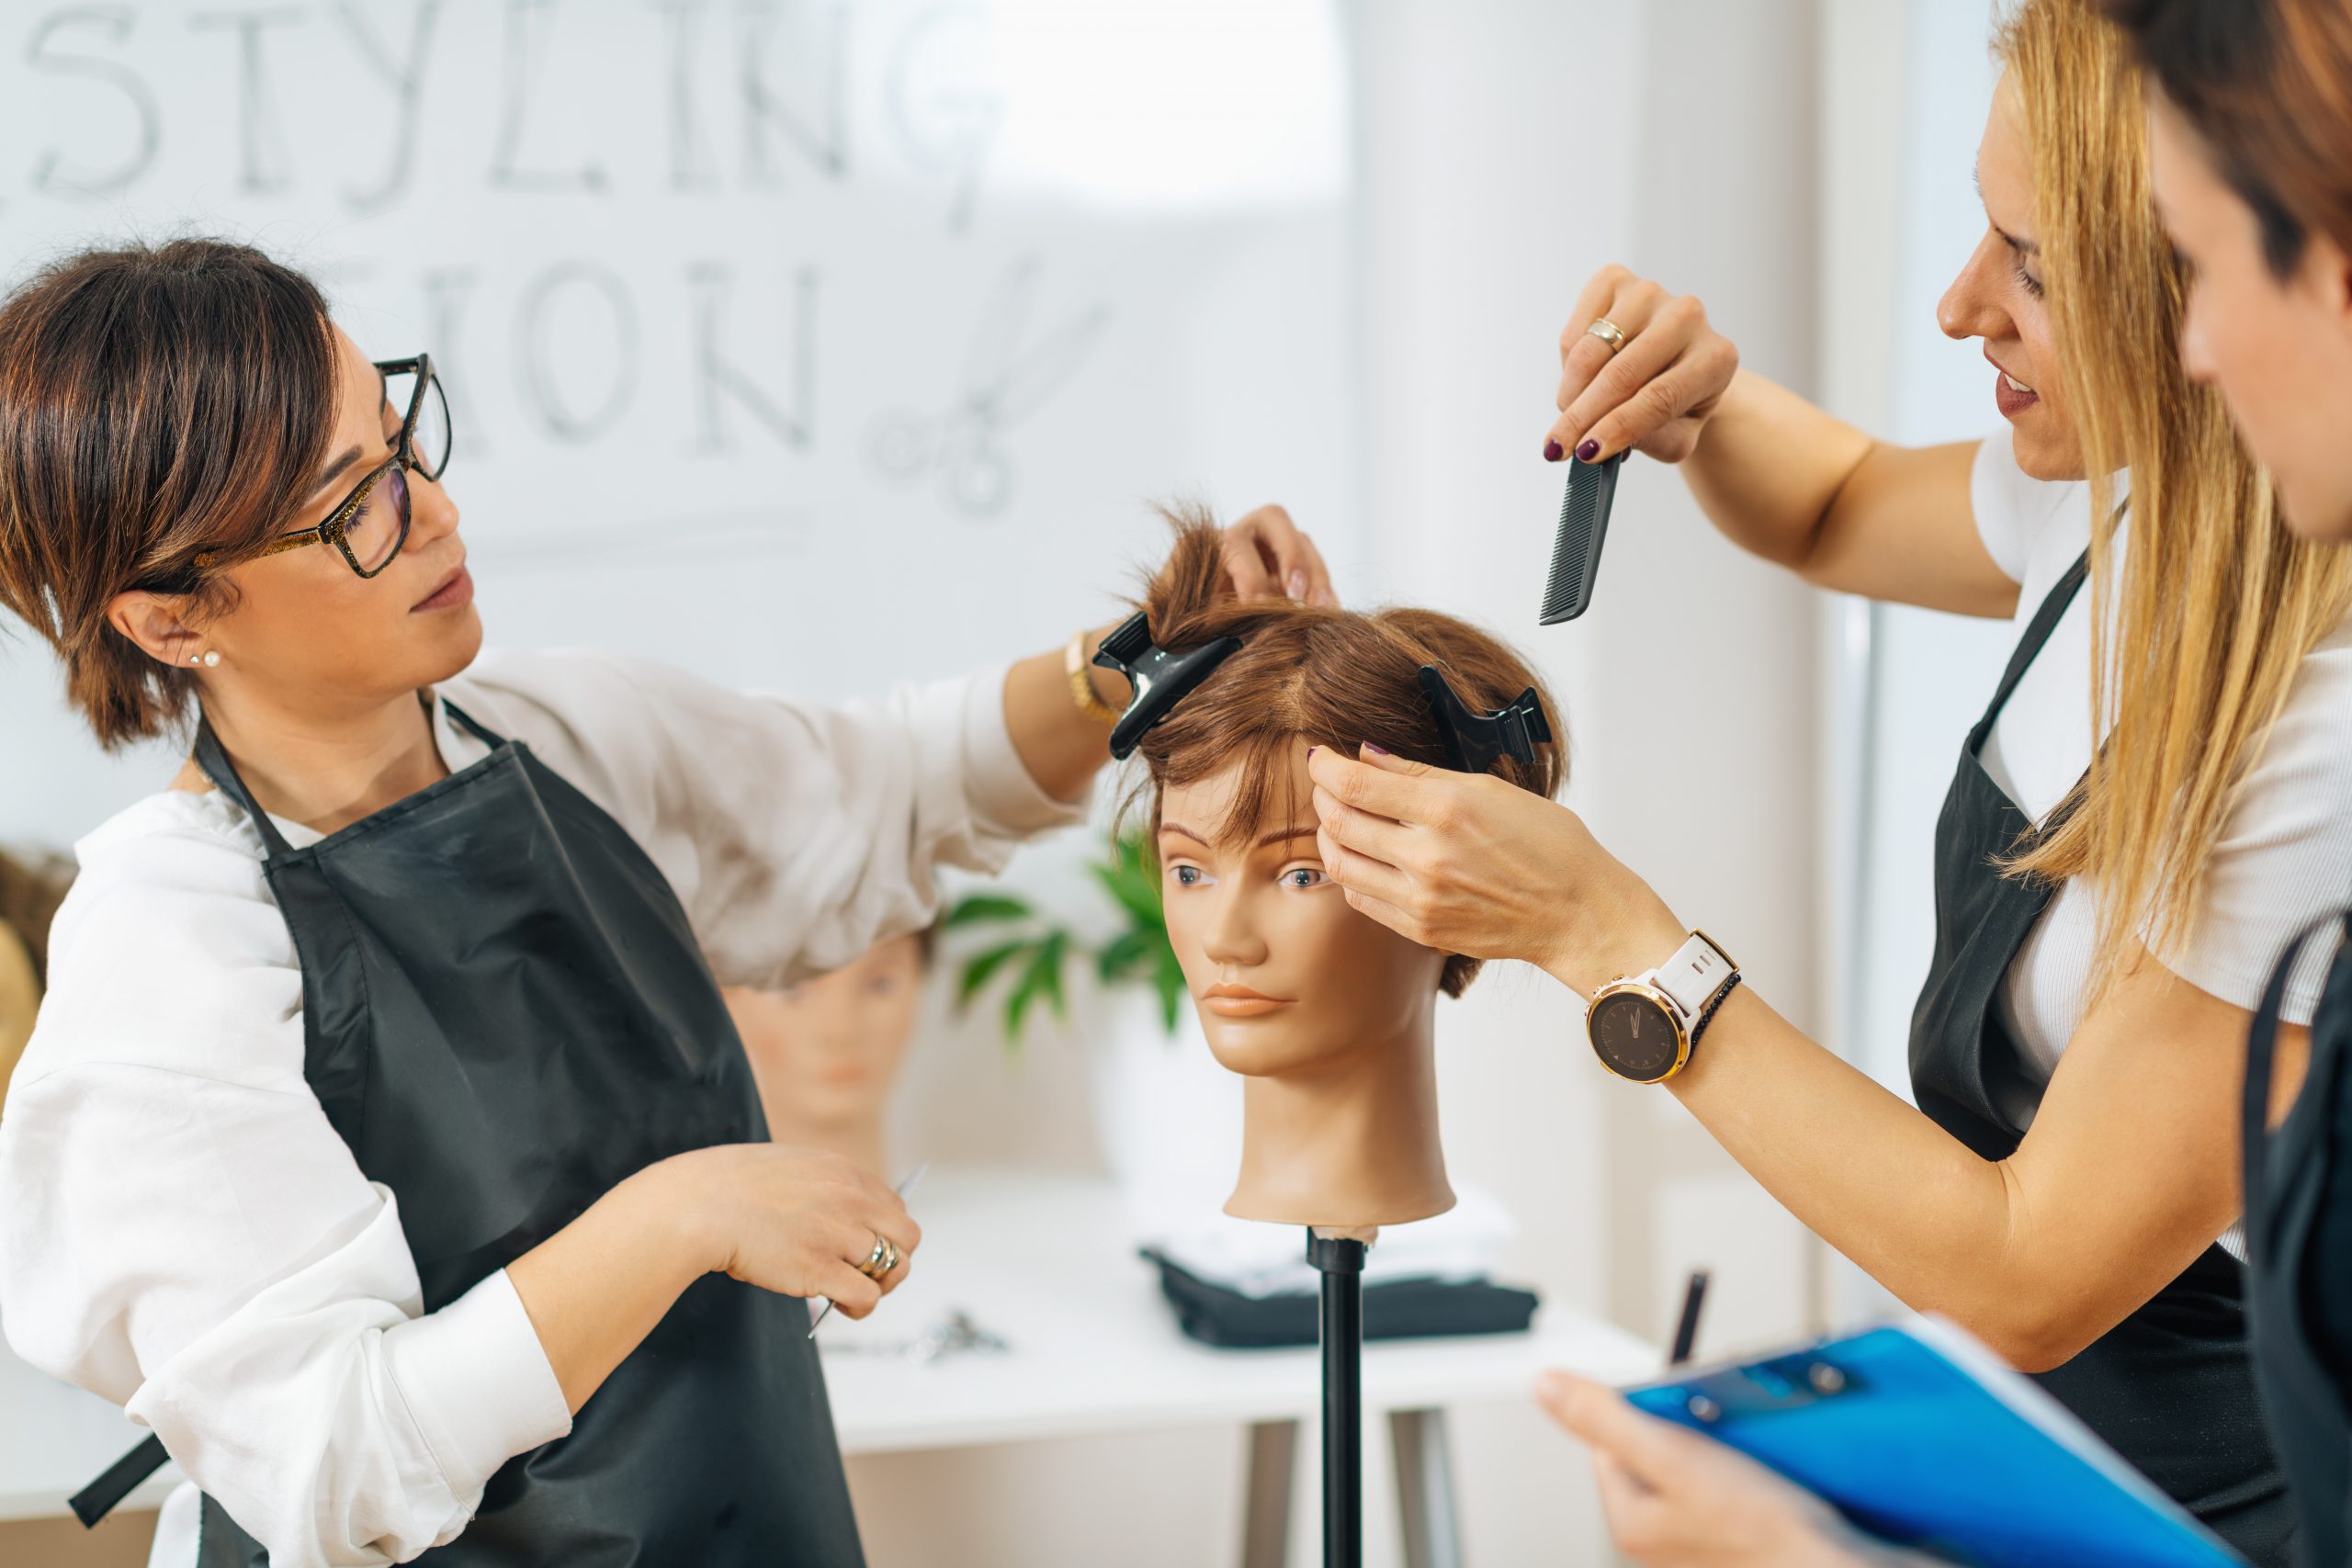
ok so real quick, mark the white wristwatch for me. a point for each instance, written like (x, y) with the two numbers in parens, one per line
(1643, 1027)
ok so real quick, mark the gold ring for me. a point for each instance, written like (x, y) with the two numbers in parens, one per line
(1607, 331)
(881, 1260)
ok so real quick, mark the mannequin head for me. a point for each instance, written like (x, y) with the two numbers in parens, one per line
(1329, 1014)
(826, 1054)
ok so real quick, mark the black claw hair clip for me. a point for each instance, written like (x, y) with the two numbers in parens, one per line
(1474, 739)
(1161, 677)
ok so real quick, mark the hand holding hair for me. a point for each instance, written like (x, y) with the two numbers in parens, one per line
(1064, 742)
(1269, 556)
(1468, 864)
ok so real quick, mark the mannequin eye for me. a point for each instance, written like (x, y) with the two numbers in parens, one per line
(1305, 877)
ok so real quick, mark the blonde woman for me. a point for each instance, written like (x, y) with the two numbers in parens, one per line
(2109, 896)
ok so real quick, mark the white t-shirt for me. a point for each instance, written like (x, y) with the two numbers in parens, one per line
(2285, 853)
(181, 1230)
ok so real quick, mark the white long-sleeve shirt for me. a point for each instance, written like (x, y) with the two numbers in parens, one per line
(183, 1233)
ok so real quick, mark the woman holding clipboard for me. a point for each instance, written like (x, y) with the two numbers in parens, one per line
(2250, 117)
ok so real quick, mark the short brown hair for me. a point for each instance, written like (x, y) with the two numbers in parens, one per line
(2268, 84)
(1334, 677)
(156, 401)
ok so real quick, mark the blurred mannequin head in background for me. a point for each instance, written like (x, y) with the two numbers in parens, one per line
(827, 1052)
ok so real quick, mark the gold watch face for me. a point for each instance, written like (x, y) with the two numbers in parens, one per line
(1635, 1037)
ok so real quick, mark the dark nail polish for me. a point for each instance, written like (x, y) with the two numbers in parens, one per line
(1589, 451)
(1376, 748)
(1551, 451)
(1312, 750)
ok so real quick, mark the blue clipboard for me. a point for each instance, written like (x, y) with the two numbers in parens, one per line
(1922, 1437)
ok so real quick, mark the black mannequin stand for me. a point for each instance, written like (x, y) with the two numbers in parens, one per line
(1340, 1263)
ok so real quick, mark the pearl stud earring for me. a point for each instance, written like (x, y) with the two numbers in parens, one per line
(209, 658)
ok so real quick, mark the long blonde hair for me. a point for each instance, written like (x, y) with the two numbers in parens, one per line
(2198, 634)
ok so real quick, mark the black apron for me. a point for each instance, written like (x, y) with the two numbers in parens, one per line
(2170, 1387)
(2299, 1252)
(506, 1014)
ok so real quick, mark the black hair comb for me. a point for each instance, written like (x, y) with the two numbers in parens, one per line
(1575, 550)
(1474, 739)
(1161, 677)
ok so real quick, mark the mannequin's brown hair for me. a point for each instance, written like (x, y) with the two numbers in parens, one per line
(1329, 676)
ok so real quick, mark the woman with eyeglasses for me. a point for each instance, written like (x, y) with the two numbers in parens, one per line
(384, 1143)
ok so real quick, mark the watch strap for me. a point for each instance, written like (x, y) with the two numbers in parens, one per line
(1696, 974)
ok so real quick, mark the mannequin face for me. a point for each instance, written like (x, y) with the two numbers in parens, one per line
(1998, 297)
(827, 1052)
(2278, 349)
(1287, 978)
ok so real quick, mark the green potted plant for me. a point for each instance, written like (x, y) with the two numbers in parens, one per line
(1167, 1116)
(1035, 951)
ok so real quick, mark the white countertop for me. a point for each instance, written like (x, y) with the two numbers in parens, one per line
(1042, 1260)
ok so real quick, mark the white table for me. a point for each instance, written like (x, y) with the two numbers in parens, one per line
(1045, 1262)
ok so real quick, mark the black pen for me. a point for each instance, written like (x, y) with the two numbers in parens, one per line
(1685, 1333)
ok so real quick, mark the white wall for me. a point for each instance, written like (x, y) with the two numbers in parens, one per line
(1919, 679)
(1933, 672)
(746, 305)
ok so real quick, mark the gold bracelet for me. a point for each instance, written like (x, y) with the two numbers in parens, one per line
(1082, 686)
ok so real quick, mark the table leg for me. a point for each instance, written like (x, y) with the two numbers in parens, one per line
(1425, 1489)
(1265, 1510)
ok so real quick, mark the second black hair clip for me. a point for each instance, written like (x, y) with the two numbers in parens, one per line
(1473, 740)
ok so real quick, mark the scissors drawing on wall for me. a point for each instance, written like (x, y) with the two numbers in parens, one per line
(1008, 375)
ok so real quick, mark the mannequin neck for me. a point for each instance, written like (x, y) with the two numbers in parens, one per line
(1351, 1141)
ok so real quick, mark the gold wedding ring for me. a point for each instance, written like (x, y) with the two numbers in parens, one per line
(1607, 331)
(884, 1257)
